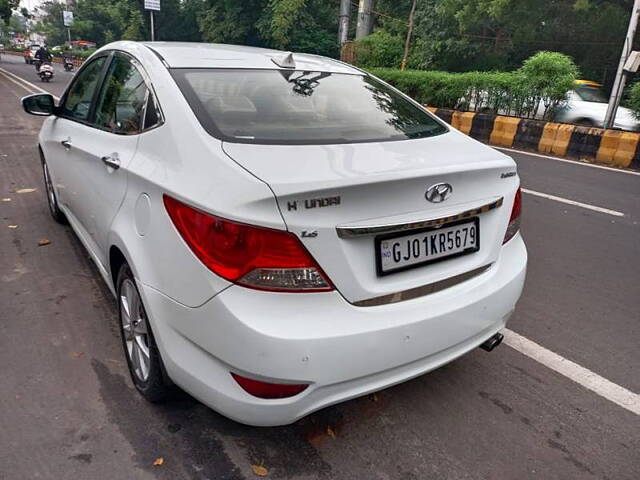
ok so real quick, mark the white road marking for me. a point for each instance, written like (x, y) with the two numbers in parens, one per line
(583, 376)
(20, 84)
(26, 82)
(573, 202)
(566, 160)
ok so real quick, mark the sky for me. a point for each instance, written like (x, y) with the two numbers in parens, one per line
(30, 4)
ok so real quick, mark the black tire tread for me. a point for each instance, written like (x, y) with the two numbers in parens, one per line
(158, 388)
(56, 213)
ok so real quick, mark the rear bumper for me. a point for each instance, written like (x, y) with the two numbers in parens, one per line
(341, 350)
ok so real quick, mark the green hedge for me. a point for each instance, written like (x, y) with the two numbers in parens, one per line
(83, 53)
(538, 88)
(633, 101)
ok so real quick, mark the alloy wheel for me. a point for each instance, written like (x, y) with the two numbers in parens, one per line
(135, 330)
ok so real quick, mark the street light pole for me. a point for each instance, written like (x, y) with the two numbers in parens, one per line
(343, 21)
(618, 84)
(153, 35)
(365, 19)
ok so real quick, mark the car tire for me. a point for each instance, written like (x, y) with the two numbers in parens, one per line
(52, 198)
(140, 349)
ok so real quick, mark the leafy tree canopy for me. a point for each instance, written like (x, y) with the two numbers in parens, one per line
(451, 35)
(6, 8)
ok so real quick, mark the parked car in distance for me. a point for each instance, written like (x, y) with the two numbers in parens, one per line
(30, 53)
(587, 105)
(282, 232)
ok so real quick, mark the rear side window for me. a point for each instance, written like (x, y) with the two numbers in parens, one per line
(301, 107)
(591, 94)
(77, 104)
(120, 106)
(152, 114)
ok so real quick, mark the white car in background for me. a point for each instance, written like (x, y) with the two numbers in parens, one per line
(587, 105)
(282, 232)
(29, 53)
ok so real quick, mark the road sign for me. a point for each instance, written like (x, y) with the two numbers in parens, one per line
(67, 18)
(152, 5)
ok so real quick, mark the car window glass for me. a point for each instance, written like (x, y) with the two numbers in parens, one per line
(301, 107)
(152, 116)
(591, 94)
(120, 106)
(78, 100)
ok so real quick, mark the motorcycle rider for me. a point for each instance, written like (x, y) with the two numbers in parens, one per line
(42, 56)
(67, 60)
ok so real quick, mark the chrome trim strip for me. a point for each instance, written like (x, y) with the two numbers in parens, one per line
(350, 232)
(423, 290)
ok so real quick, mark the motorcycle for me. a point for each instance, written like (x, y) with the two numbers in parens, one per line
(68, 64)
(45, 72)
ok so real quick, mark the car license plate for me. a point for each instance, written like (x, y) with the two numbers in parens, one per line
(395, 252)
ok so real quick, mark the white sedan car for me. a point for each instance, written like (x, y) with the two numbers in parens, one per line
(587, 105)
(282, 232)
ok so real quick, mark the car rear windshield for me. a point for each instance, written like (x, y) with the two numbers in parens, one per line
(301, 107)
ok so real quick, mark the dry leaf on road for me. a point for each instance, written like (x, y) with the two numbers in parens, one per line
(331, 433)
(26, 190)
(158, 461)
(43, 241)
(260, 470)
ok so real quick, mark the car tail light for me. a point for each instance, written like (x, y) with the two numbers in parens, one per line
(514, 220)
(251, 256)
(268, 390)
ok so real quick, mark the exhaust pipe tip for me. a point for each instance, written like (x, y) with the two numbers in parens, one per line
(492, 342)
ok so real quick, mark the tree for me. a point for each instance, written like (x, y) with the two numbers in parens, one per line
(18, 24)
(280, 19)
(101, 21)
(462, 35)
(6, 8)
(178, 20)
(51, 25)
(230, 21)
(450, 35)
(300, 25)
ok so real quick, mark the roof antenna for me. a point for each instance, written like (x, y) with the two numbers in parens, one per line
(285, 60)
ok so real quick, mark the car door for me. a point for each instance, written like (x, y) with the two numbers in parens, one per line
(104, 149)
(74, 111)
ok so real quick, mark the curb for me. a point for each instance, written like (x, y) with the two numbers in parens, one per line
(614, 148)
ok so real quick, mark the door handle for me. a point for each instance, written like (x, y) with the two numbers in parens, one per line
(111, 161)
(66, 143)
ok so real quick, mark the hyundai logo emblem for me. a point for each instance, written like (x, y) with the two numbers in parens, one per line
(439, 192)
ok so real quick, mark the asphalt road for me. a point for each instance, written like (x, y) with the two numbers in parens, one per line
(69, 410)
(16, 65)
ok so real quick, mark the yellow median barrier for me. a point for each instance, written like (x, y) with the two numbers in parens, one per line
(504, 131)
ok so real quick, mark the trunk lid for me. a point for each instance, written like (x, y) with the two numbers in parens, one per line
(321, 187)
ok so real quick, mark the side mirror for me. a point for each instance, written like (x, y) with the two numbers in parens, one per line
(41, 104)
